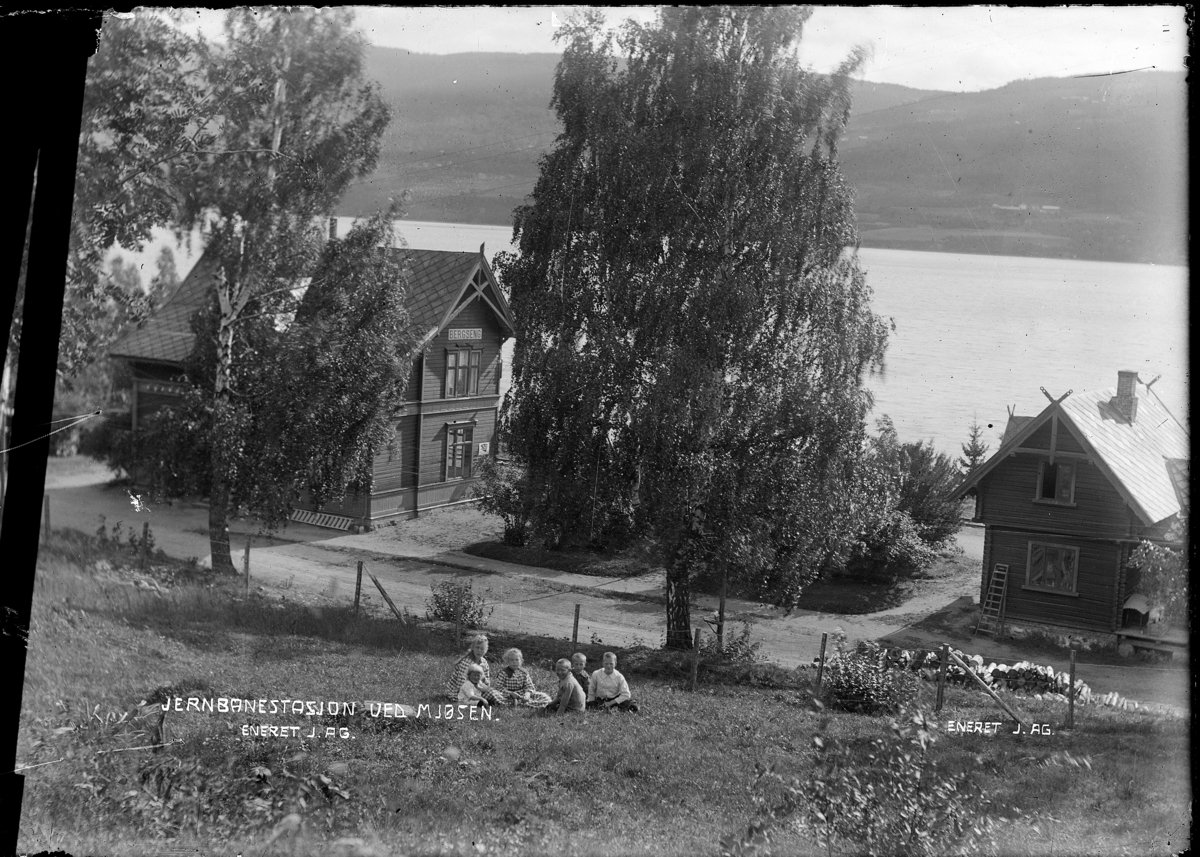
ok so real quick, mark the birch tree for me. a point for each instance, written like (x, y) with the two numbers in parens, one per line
(297, 124)
(694, 328)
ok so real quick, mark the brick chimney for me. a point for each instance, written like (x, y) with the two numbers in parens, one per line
(1126, 399)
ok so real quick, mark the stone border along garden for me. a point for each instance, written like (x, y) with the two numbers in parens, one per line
(1044, 682)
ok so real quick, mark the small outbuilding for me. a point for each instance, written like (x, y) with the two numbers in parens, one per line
(447, 424)
(1066, 499)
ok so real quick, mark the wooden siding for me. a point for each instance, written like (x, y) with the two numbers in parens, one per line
(412, 391)
(433, 454)
(398, 468)
(347, 507)
(1010, 488)
(987, 564)
(1091, 607)
(392, 503)
(1065, 442)
(446, 493)
(143, 371)
(476, 314)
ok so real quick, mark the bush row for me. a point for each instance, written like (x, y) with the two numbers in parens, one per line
(1023, 677)
(868, 678)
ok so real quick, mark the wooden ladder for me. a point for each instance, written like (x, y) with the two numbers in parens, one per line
(991, 611)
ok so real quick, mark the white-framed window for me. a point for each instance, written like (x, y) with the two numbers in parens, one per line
(458, 452)
(1054, 568)
(1056, 483)
(462, 372)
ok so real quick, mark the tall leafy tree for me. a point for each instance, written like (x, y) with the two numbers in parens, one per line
(694, 335)
(298, 122)
(146, 116)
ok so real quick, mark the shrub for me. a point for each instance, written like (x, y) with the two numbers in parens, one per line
(863, 681)
(884, 797)
(111, 441)
(1162, 576)
(502, 491)
(445, 601)
(892, 547)
(738, 649)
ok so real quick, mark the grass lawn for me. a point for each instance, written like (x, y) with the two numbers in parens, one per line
(672, 780)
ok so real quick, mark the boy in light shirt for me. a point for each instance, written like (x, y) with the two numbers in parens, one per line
(608, 689)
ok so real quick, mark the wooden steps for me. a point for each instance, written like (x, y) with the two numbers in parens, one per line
(320, 519)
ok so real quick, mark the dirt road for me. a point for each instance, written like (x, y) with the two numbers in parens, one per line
(412, 556)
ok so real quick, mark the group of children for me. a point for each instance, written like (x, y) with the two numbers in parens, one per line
(605, 689)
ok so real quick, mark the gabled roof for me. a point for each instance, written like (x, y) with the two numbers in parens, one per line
(442, 281)
(1143, 459)
(1014, 425)
(166, 336)
(438, 283)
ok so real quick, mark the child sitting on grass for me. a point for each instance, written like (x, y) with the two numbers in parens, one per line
(469, 693)
(608, 689)
(579, 669)
(516, 684)
(571, 697)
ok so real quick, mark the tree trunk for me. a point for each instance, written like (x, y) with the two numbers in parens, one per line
(218, 509)
(679, 613)
(721, 609)
(218, 524)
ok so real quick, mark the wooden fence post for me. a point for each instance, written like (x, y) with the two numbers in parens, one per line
(246, 564)
(46, 514)
(821, 662)
(695, 659)
(941, 686)
(575, 629)
(386, 598)
(145, 538)
(1071, 695)
(357, 589)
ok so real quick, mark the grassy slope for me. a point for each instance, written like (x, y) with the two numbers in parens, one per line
(675, 777)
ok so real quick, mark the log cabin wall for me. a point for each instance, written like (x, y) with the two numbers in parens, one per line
(1091, 604)
(1009, 494)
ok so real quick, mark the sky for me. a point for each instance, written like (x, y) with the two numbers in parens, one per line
(963, 48)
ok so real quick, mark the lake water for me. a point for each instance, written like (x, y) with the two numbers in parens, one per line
(976, 335)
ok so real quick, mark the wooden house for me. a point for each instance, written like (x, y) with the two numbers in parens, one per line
(447, 423)
(1064, 501)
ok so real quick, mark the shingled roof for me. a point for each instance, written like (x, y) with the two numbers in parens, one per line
(1146, 459)
(166, 336)
(436, 284)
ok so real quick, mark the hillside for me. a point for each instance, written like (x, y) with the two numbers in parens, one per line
(932, 170)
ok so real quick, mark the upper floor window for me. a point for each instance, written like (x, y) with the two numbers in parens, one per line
(462, 372)
(1056, 483)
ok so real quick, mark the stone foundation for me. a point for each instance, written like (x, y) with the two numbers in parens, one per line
(1067, 638)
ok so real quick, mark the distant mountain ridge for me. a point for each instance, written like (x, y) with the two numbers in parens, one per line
(1091, 168)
